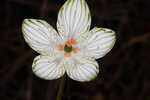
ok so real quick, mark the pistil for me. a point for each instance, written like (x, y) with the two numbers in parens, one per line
(68, 48)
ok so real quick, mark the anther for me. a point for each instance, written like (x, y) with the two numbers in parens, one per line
(68, 43)
(73, 41)
(75, 50)
(60, 47)
(67, 54)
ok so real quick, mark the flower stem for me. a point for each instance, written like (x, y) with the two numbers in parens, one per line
(61, 88)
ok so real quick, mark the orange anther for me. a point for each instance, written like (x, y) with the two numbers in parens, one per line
(75, 50)
(68, 43)
(73, 41)
(67, 54)
(60, 47)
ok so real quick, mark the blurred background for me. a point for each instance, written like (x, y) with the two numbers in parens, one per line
(124, 72)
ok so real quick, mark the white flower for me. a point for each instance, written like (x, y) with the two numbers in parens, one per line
(73, 49)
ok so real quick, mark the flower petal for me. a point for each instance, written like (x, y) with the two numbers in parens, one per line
(47, 67)
(40, 35)
(73, 18)
(99, 42)
(82, 69)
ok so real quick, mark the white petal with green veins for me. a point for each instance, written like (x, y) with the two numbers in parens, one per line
(73, 18)
(82, 68)
(40, 36)
(47, 67)
(99, 42)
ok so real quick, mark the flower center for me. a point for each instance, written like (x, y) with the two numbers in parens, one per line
(68, 48)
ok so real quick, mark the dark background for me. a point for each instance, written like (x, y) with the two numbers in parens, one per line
(124, 72)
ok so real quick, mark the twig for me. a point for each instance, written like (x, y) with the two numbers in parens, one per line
(61, 88)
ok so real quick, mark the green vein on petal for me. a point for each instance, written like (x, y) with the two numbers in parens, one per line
(25, 23)
(94, 77)
(34, 66)
(109, 31)
(81, 2)
(88, 28)
(35, 23)
(102, 30)
(85, 7)
(69, 1)
(89, 15)
(35, 61)
(39, 21)
(61, 10)
(31, 21)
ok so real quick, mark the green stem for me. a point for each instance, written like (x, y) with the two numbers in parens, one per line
(61, 88)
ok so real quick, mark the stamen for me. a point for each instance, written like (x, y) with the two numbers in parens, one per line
(67, 54)
(60, 47)
(68, 43)
(75, 50)
(73, 41)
